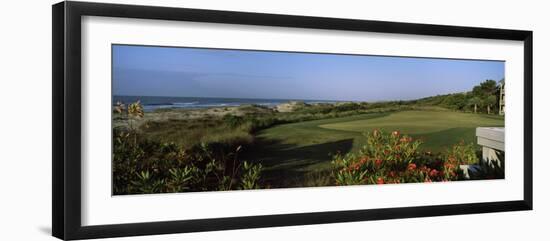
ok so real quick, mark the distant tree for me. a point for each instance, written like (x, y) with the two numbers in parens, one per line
(488, 87)
(475, 102)
(490, 101)
(477, 91)
(455, 101)
(486, 94)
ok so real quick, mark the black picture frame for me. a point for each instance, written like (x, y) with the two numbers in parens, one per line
(66, 128)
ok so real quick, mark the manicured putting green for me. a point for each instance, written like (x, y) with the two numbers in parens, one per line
(439, 130)
(417, 122)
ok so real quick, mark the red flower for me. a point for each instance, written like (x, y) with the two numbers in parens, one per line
(434, 173)
(452, 159)
(378, 162)
(392, 174)
(380, 181)
(395, 133)
(411, 166)
(449, 166)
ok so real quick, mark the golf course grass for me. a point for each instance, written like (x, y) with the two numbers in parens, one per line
(294, 150)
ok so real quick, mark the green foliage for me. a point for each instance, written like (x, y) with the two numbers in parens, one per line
(144, 166)
(464, 154)
(396, 148)
(192, 132)
(251, 175)
(233, 120)
(456, 101)
(474, 102)
(145, 183)
(488, 87)
(484, 95)
(487, 92)
(391, 158)
(181, 179)
(489, 102)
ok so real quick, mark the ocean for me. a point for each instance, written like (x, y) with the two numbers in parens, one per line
(151, 103)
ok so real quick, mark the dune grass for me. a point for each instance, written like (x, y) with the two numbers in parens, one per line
(189, 133)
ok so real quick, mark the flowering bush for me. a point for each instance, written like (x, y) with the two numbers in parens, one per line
(392, 158)
(463, 154)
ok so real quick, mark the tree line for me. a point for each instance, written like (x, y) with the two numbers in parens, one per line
(483, 97)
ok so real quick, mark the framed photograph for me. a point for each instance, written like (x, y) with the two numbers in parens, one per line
(169, 120)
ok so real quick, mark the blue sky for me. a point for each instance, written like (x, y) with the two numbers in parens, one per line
(193, 72)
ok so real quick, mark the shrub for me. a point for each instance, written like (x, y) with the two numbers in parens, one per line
(391, 158)
(463, 154)
(251, 175)
(233, 120)
(146, 166)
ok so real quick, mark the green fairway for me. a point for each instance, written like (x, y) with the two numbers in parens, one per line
(439, 130)
(305, 147)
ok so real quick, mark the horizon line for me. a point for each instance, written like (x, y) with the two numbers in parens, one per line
(296, 99)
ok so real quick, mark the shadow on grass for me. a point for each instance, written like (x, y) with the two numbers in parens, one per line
(440, 141)
(288, 165)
